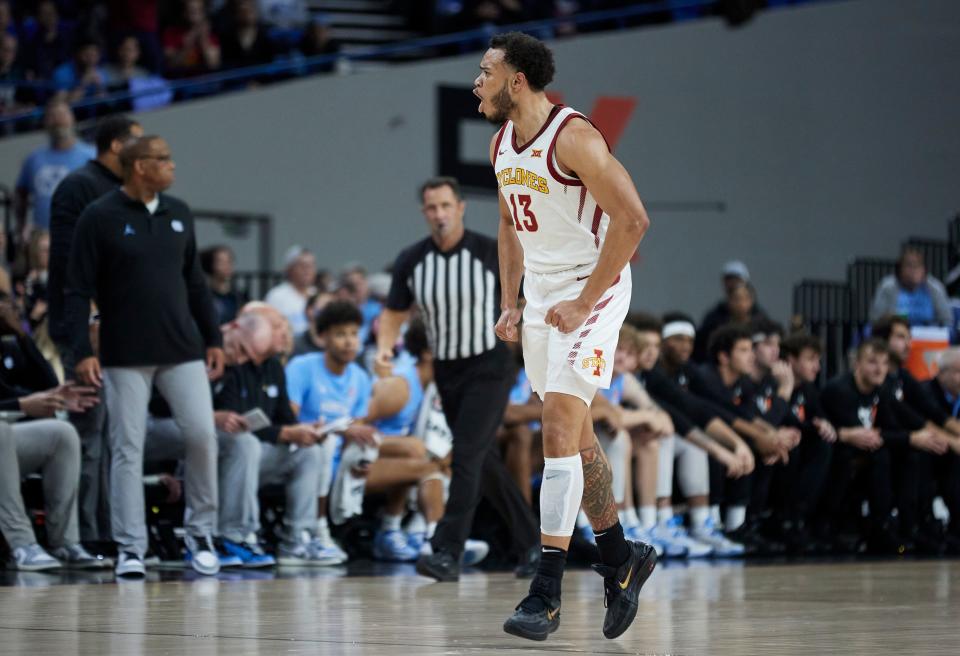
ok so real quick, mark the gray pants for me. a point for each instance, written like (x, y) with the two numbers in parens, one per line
(187, 391)
(94, 496)
(690, 464)
(52, 448)
(298, 471)
(245, 464)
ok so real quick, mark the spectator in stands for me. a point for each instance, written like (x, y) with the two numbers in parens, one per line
(912, 293)
(126, 66)
(284, 14)
(140, 20)
(78, 190)
(7, 24)
(327, 387)
(13, 99)
(282, 333)
(871, 438)
(46, 166)
(355, 287)
(316, 41)
(217, 265)
(83, 77)
(134, 250)
(738, 305)
(310, 341)
(191, 48)
(290, 297)
(51, 44)
(246, 42)
(45, 445)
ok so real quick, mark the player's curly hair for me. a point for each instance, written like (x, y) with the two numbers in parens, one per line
(338, 313)
(527, 55)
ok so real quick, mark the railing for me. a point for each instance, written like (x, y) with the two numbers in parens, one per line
(824, 307)
(864, 276)
(465, 41)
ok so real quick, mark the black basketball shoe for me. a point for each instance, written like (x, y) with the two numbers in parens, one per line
(622, 587)
(440, 566)
(537, 616)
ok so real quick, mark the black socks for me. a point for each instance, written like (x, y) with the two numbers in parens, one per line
(546, 583)
(613, 547)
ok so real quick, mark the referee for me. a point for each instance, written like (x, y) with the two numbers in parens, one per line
(453, 276)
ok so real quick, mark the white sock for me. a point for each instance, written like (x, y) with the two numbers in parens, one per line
(391, 522)
(736, 515)
(322, 524)
(628, 517)
(664, 514)
(699, 516)
(417, 524)
(715, 515)
(431, 529)
(648, 517)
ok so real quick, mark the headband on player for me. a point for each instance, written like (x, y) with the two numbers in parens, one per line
(675, 328)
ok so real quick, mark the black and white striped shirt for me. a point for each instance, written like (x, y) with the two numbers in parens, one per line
(458, 291)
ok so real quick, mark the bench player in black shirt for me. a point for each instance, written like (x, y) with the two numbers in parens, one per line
(803, 478)
(871, 434)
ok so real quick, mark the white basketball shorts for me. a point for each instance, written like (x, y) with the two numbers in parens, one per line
(580, 362)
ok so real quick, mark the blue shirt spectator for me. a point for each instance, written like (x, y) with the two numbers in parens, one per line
(401, 424)
(324, 396)
(45, 167)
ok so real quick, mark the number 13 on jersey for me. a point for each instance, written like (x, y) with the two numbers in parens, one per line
(529, 222)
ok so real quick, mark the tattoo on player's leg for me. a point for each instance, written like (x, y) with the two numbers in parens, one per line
(598, 502)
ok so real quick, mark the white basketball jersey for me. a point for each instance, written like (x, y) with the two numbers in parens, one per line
(559, 224)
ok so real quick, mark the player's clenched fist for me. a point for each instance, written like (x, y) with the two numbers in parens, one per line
(506, 327)
(567, 316)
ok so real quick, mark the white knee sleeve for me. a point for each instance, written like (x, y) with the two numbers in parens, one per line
(560, 495)
(665, 467)
(617, 450)
(693, 469)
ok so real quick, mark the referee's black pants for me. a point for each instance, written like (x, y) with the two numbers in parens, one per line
(474, 393)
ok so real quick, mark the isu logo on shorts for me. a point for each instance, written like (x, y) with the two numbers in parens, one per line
(597, 363)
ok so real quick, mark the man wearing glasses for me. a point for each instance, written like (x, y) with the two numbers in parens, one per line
(134, 253)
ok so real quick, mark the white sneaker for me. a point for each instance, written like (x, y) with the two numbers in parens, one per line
(723, 547)
(324, 542)
(130, 565)
(32, 558)
(201, 554)
(675, 537)
(74, 556)
(639, 534)
(474, 551)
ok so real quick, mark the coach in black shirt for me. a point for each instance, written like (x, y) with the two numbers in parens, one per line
(74, 193)
(135, 253)
(454, 278)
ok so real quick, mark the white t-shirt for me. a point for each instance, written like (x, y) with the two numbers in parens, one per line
(291, 304)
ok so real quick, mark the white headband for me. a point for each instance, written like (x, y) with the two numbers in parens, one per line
(679, 328)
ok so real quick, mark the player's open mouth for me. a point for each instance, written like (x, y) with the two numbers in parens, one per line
(477, 94)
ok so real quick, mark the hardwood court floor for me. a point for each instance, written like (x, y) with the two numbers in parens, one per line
(844, 608)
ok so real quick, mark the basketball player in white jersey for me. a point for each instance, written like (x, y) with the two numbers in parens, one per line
(570, 221)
